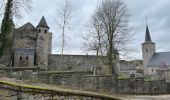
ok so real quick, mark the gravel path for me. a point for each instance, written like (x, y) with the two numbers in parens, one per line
(145, 97)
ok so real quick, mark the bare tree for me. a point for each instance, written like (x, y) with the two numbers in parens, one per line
(20, 7)
(110, 30)
(64, 22)
(93, 40)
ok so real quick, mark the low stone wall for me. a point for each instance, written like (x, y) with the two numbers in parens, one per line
(19, 73)
(89, 82)
(107, 84)
(12, 95)
(140, 86)
(20, 90)
(4, 60)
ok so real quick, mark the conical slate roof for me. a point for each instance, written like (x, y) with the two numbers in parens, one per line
(147, 37)
(27, 26)
(43, 23)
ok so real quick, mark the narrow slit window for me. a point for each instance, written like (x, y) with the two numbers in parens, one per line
(39, 31)
(146, 50)
(27, 57)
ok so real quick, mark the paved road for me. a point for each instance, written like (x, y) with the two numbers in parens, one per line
(145, 97)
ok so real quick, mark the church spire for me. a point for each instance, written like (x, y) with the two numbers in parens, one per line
(147, 36)
(43, 23)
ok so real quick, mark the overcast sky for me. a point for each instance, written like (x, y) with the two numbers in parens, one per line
(157, 12)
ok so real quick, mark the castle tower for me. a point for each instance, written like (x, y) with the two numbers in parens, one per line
(43, 43)
(148, 49)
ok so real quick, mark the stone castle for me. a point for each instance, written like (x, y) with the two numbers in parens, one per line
(32, 46)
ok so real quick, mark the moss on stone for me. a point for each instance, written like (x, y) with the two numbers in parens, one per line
(60, 91)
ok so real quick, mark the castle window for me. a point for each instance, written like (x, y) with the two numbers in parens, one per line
(27, 57)
(45, 31)
(152, 70)
(39, 31)
(20, 58)
(146, 50)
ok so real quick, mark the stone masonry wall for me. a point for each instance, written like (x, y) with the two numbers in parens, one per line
(106, 83)
(95, 83)
(13, 95)
(42, 47)
(50, 43)
(24, 39)
(5, 60)
(77, 63)
(27, 60)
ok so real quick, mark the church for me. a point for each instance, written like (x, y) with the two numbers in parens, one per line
(155, 63)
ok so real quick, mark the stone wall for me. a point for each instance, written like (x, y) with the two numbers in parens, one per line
(140, 86)
(77, 63)
(5, 60)
(89, 83)
(50, 43)
(24, 59)
(13, 95)
(125, 67)
(99, 64)
(106, 83)
(95, 83)
(24, 39)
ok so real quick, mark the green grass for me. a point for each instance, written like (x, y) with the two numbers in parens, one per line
(122, 76)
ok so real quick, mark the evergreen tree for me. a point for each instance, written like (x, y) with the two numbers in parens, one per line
(6, 27)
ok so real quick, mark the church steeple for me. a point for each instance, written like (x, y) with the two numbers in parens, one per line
(147, 36)
(148, 49)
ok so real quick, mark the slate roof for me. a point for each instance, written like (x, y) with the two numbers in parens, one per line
(24, 51)
(147, 36)
(27, 26)
(43, 23)
(160, 59)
